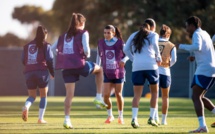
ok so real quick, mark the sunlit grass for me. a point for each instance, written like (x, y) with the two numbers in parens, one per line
(87, 119)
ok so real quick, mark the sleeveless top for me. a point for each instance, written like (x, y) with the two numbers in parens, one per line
(34, 57)
(165, 50)
(110, 57)
(70, 56)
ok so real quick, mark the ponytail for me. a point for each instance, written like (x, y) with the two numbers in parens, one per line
(77, 20)
(118, 33)
(40, 36)
(140, 36)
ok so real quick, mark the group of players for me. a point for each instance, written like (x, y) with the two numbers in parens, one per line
(151, 54)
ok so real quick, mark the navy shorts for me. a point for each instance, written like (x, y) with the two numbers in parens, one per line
(164, 81)
(139, 77)
(115, 81)
(203, 81)
(36, 79)
(72, 75)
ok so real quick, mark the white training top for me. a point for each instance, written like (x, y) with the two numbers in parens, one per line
(85, 43)
(203, 49)
(173, 59)
(110, 42)
(149, 55)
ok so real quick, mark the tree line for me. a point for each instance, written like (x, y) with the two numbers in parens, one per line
(127, 15)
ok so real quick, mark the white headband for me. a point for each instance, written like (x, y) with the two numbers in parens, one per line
(112, 27)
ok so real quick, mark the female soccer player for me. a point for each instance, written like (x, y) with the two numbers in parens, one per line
(38, 61)
(110, 53)
(145, 56)
(204, 77)
(72, 49)
(169, 57)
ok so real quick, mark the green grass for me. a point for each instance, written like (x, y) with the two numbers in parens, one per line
(87, 119)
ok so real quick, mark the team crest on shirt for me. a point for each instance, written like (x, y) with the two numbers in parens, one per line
(32, 54)
(161, 48)
(68, 47)
(32, 49)
(110, 59)
(109, 54)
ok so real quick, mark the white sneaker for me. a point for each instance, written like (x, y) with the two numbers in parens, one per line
(200, 130)
(67, 125)
(100, 102)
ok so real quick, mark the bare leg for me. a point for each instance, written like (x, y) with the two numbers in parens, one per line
(106, 94)
(138, 90)
(207, 103)
(119, 97)
(165, 100)
(70, 89)
(154, 95)
(98, 78)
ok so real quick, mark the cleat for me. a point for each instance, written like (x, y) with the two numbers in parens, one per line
(134, 123)
(200, 130)
(213, 124)
(67, 125)
(100, 102)
(98, 107)
(42, 122)
(109, 119)
(121, 121)
(25, 113)
(152, 122)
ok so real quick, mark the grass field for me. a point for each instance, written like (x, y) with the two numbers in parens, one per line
(87, 119)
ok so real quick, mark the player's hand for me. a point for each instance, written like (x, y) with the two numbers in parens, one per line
(191, 58)
(121, 64)
(159, 63)
(51, 77)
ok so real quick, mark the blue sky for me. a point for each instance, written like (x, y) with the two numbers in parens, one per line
(8, 24)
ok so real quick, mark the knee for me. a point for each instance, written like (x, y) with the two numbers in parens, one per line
(106, 96)
(195, 97)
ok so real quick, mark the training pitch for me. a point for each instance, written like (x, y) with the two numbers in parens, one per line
(87, 119)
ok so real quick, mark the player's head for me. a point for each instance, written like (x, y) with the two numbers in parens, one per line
(151, 23)
(192, 23)
(77, 23)
(111, 31)
(165, 31)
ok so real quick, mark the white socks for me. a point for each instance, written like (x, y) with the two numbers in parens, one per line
(152, 113)
(41, 113)
(109, 111)
(28, 104)
(120, 114)
(201, 120)
(134, 113)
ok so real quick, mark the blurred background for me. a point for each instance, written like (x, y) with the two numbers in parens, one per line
(19, 20)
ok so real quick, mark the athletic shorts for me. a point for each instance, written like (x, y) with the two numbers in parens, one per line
(203, 81)
(72, 75)
(139, 77)
(36, 79)
(115, 81)
(164, 81)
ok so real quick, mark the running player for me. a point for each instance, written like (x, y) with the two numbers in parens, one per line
(204, 76)
(169, 57)
(37, 58)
